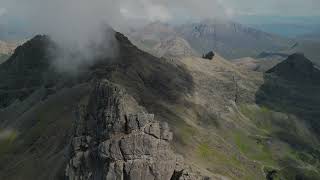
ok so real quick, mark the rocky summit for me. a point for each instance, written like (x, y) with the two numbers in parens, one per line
(114, 138)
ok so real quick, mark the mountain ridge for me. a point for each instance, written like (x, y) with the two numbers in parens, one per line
(227, 122)
(224, 37)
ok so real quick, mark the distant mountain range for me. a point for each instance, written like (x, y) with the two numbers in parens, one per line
(266, 60)
(285, 26)
(231, 40)
(286, 30)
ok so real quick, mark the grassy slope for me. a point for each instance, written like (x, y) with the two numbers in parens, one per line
(276, 154)
(197, 97)
(260, 65)
(217, 136)
(195, 116)
(245, 138)
(215, 149)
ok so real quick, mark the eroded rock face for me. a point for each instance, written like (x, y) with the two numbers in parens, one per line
(115, 139)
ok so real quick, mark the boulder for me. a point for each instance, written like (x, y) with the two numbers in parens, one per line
(210, 55)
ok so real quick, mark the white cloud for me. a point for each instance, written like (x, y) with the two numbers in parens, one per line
(230, 12)
(157, 12)
(144, 10)
(274, 7)
(77, 23)
(3, 11)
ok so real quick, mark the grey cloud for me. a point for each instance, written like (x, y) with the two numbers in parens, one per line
(74, 24)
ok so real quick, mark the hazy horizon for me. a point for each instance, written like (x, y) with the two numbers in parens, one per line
(40, 16)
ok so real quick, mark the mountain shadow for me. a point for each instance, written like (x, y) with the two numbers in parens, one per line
(147, 78)
(293, 88)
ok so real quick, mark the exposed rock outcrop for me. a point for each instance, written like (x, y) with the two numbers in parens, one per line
(115, 138)
(210, 55)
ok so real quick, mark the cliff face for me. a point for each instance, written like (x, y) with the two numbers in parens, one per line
(114, 138)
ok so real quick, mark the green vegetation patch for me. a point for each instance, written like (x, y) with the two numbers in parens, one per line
(7, 137)
(204, 150)
(298, 160)
(255, 148)
(211, 155)
(290, 172)
(222, 162)
(185, 133)
(261, 116)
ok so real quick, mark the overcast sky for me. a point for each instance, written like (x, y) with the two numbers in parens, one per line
(69, 16)
(275, 7)
(166, 9)
(77, 23)
(75, 18)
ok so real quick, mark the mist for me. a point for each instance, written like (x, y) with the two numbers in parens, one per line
(79, 26)
(76, 26)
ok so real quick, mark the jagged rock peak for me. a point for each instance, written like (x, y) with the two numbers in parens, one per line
(122, 38)
(37, 45)
(37, 41)
(116, 139)
(210, 55)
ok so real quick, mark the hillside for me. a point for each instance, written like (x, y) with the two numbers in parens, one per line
(231, 40)
(259, 64)
(174, 46)
(227, 122)
(151, 35)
